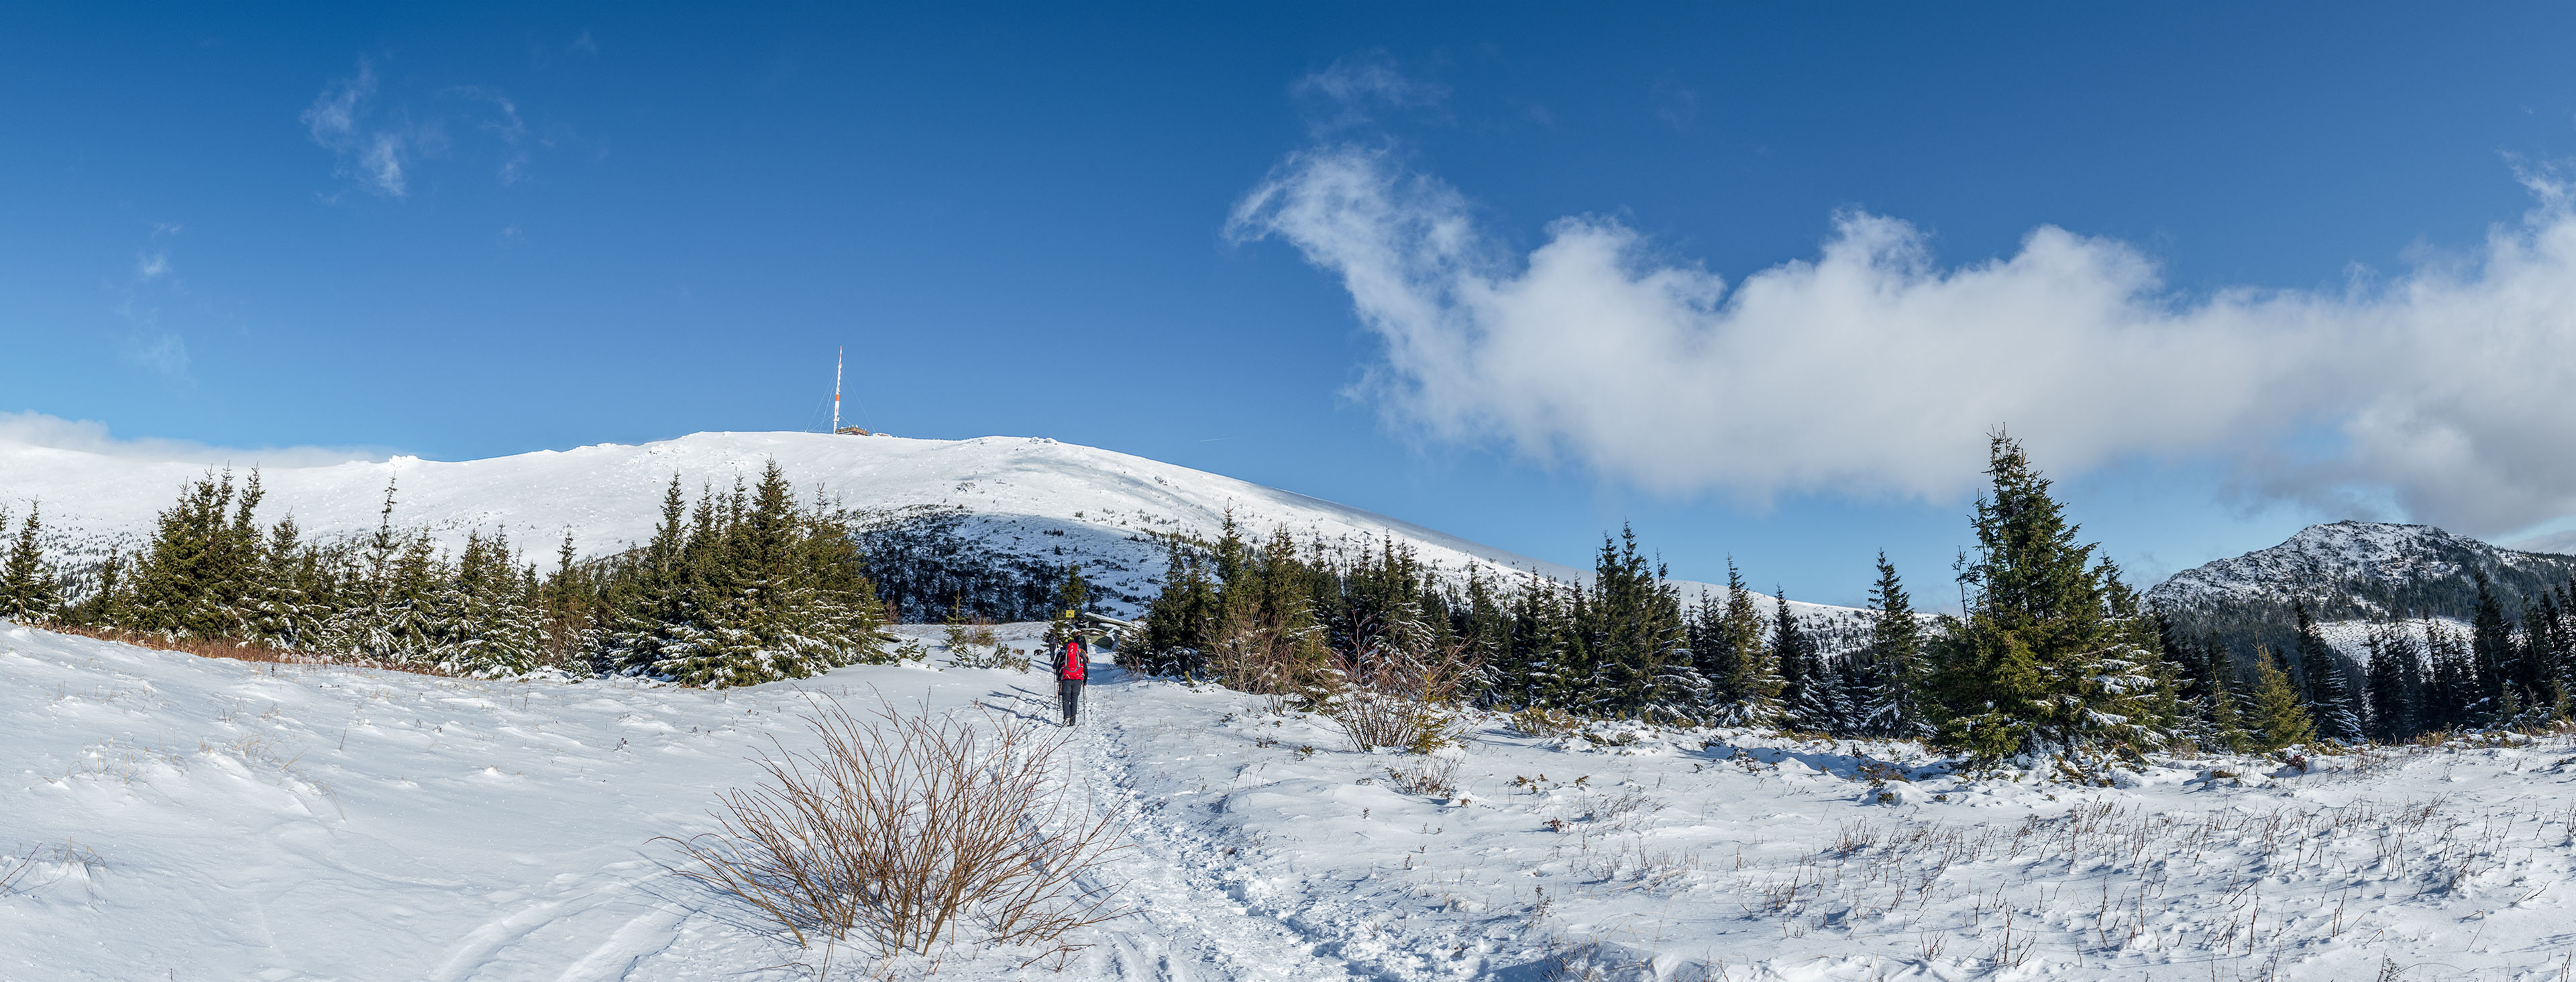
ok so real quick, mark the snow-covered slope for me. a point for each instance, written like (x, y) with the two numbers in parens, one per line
(1021, 496)
(1016, 496)
(175, 817)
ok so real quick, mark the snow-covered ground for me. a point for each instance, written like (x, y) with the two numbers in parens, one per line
(185, 818)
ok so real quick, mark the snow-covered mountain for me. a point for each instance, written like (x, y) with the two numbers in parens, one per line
(1031, 500)
(2350, 575)
(2407, 570)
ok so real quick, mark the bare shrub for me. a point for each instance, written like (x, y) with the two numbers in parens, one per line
(910, 829)
(1427, 774)
(1394, 698)
(1260, 655)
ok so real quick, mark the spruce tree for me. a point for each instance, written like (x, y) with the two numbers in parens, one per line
(1182, 619)
(755, 604)
(1712, 652)
(281, 610)
(1641, 653)
(28, 593)
(1900, 676)
(2278, 717)
(2492, 649)
(1811, 691)
(2328, 693)
(1290, 632)
(1545, 654)
(1073, 596)
(1551, 632)
(2043, 664)
(1756, 684)
(2225, 708)
(2454, 696)
(2391, 683)
(104, 606)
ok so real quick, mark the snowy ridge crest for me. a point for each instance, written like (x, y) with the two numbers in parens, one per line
(1029, 499)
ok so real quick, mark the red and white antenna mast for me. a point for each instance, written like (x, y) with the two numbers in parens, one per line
(836, 390)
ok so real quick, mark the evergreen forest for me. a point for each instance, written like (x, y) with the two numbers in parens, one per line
(2052, 654)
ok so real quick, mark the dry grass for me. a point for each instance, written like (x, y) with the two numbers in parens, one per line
(237, 650)
(911, 831)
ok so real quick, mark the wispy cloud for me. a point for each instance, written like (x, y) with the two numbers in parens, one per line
(1357, 89)
(379, 146)
(372, 157)
(1873, 369)
(86, 436)
(503, 125)
(145, 342)
(1676, 104)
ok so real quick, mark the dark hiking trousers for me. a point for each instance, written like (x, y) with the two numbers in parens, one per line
(1068, 693)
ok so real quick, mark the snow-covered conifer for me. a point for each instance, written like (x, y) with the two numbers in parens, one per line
(2052, 657)
(2326, 688)
(1895, 655)
(28, 591)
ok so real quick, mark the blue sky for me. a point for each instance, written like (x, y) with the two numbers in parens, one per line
(462, 232)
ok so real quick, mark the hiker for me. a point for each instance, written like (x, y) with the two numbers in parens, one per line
(1069, 677)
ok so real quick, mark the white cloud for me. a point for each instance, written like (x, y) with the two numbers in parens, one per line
(40, 430)
(1872, 370)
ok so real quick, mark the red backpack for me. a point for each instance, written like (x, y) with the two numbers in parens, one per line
(1072, 670)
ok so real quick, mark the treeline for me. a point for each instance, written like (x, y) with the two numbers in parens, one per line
(742, 586)
(1278, 617)
(2053, 656)
(211, 571)
(2414, 677)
